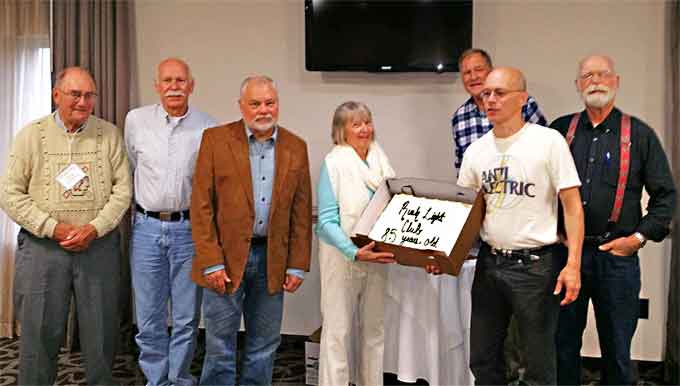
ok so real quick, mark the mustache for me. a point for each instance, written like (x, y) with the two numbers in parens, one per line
(261, 116)
(597, 87)
(173, 93)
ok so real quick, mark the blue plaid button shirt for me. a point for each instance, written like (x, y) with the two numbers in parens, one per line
(469, 124)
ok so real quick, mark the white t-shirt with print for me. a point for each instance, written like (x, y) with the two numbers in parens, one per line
(521, 177)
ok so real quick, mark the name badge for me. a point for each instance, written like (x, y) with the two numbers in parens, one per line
(70, 176)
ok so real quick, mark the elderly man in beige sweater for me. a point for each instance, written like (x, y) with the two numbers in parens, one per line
(67, 185)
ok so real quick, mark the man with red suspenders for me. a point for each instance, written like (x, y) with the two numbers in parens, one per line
(616, 156)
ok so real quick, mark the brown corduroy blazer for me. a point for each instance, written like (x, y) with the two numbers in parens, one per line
(222, 212)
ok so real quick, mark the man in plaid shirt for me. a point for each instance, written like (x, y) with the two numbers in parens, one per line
(469, 122)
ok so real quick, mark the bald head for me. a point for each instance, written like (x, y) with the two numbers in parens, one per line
(73, 72)
(588, 61)
(504, 95)
(511, 77)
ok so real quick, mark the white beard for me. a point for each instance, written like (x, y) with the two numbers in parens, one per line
(262, 126)
(599, 99)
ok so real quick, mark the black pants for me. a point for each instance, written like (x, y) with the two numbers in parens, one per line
(504, 287)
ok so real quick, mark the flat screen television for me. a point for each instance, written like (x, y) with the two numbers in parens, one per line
(386, 36)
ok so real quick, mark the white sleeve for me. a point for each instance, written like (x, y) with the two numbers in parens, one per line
(562, 171)
(467, 177)
(128, 133)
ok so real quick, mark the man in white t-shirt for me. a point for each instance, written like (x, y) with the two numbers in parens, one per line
(522, 267)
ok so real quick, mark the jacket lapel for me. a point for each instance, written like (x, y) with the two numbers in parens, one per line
(240, 150)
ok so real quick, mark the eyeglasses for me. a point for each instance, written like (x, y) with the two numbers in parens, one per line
(75, 94)
(498, 92)
(589, 76)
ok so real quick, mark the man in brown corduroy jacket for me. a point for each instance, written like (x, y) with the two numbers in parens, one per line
(252, 222)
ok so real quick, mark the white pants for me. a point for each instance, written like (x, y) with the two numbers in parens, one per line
(352, 306)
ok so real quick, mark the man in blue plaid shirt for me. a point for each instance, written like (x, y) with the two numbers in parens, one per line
(469, 122)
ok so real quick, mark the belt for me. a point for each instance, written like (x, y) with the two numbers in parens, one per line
(258, 240)
(599, 239)
(521, 255)
(165, 216)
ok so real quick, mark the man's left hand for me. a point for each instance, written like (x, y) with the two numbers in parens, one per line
(292, 283)
(570, 280)
(79, 239)
(623, 246)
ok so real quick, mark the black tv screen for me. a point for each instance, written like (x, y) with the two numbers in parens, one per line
(386, 36)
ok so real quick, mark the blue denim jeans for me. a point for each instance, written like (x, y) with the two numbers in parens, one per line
(262, 315)
(160, 260)
(503, 288)
(613, 283)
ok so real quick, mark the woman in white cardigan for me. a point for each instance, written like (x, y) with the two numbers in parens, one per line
(352, 278)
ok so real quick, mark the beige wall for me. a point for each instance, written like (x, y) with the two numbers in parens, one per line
(226, 40)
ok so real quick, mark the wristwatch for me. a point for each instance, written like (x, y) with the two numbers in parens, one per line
(641, 238)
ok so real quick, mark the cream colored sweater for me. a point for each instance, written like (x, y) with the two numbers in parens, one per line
(31, 195)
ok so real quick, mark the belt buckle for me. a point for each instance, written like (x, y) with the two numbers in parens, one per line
(604, 238)
(165, 216)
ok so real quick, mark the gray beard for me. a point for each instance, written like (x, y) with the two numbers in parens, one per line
(598, 100)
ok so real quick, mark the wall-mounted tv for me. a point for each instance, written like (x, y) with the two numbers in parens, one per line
(386, 36)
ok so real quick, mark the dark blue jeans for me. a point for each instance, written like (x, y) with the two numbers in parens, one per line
(613, 284)
(502, 288)
(262, 314)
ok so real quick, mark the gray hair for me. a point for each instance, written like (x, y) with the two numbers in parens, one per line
(157, 68)
(347, 112)
(61, 75)
(472, 51)
(608, 59)
(256, 79)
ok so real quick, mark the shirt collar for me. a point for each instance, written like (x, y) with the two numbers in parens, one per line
(610, 123)
(251, 136)
(164, 114)
(62, 126)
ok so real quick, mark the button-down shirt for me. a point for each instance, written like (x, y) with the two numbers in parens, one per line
(60, 123)
(262, 156)
(262, 166)
(162, 151)
(469, 124)
(596, 152)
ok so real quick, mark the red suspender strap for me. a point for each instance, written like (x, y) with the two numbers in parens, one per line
(572, 128)
(624, 167)
(624, 160)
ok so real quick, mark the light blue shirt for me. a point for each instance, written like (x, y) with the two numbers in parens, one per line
(162, 150)
(328, 227)
(262, 166)
(262, 156)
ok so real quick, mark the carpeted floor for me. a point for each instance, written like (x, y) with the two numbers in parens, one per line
(289, 367)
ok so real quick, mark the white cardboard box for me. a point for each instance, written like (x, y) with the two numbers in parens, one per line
(418, 187)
